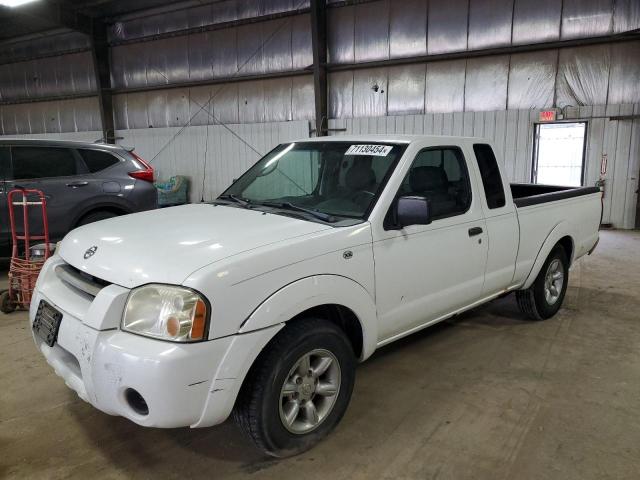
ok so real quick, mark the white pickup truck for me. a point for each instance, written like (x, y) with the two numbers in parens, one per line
(262, 302)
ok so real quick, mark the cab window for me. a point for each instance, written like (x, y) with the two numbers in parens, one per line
(440, 175)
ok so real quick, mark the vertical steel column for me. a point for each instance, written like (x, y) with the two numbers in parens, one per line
(102, 70)
(319, 46)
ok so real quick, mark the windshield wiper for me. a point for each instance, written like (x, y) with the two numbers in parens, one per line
(291, 206)
(240, 201)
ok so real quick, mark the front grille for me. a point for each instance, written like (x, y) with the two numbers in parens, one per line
(80, 280)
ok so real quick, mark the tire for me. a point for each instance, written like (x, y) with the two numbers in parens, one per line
(6, 304)
(542, 300)
(96, 217)
(263, 406)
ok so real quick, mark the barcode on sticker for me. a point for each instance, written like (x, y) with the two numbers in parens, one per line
(376, 150)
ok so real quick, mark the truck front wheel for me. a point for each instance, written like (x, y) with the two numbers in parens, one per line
(299, 388)
(544, 297)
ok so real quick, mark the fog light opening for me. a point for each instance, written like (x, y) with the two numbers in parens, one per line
(136, 401)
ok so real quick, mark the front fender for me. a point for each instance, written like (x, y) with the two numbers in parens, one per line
(309, 292)
(562, 229)
(268, 319)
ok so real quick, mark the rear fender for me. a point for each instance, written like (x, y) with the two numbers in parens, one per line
(105, 203)
(563, 229)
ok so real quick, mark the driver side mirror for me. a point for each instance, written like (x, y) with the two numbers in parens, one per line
(412, 210)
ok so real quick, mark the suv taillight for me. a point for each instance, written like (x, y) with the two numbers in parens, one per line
(146, 173)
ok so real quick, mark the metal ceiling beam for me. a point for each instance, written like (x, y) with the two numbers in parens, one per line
(48, 98)
(58, 53)
(165, 9)
(211, 27)
(102, 71)
(215, 81)
(319, 47)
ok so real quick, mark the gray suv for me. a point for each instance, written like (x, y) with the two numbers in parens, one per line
(82, 182)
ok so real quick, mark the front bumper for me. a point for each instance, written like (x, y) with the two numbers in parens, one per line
(182, 384)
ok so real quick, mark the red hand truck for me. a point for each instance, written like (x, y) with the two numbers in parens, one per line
(24, 268)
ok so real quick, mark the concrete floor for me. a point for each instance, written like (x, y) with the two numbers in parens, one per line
(484, 396)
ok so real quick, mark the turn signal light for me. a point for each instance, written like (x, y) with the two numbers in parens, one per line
(199, 321)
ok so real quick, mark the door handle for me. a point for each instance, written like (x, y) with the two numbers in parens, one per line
(473, 231)
(77, 184)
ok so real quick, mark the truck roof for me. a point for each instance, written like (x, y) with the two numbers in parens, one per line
(387, 138)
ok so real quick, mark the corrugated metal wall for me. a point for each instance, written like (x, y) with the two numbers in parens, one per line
(280, 45)
(227, 157)
(70, 74)
(74, 115)
(387, 29)
(512, 134)
(256, 101)
(203, 48)
(52, 44)
(491, 93)
(589, 75)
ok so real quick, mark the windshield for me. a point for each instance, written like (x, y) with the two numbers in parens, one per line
(334, 178)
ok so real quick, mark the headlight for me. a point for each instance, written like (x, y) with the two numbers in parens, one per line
(170, 313)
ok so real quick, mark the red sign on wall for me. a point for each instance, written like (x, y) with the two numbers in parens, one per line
(548, 116)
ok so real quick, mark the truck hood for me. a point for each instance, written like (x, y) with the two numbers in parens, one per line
(166, 245)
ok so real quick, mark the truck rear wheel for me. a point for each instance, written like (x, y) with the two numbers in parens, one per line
(299, 388)
(544, 297)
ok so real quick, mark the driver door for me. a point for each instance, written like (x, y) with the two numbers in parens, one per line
(423, 272)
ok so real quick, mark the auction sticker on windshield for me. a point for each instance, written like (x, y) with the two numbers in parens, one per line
(376, 150)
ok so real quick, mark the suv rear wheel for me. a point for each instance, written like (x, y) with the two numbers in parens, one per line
(299, 388)
(544, 297)
(96, 217)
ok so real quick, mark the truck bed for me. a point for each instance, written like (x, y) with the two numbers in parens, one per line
(525, 194)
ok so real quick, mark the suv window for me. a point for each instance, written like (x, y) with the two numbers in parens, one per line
(490, 173)
(42, 162)
(5, 163)
(97, 160)
(440, 174)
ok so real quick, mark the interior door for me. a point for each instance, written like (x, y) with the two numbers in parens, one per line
(426, 271)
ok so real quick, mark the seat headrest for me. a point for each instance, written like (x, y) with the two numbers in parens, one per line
(360, 176)
(423, 179)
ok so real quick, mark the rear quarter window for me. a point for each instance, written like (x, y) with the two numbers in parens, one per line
(490, 173)
(97, 160)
